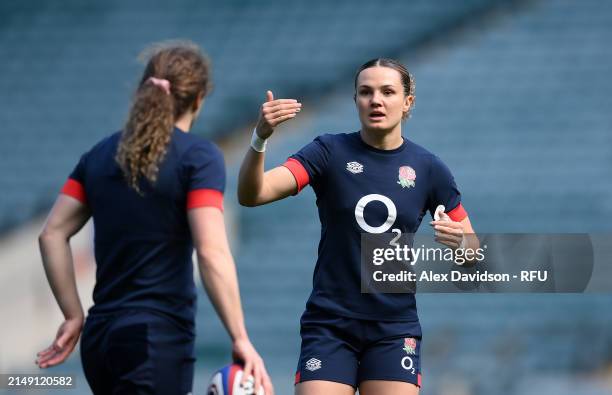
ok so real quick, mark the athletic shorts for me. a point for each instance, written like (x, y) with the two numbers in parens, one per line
(137, 352)
(349, 351)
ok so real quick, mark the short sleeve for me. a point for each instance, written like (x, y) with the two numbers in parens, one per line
(308, 165)
(444, 191)
(75, 184)
(205, 170)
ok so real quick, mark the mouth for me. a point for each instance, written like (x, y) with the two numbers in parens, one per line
(376, 115)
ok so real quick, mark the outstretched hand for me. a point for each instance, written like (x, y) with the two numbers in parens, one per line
(274, 112)
(66, 339)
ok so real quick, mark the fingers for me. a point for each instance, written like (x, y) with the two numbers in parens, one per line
(275, 118)
(284, 118)
(282, 113)
(279, 102)
(440, 234)
(444, 217)
(450, 224)
(57, 358)
(448, 230)
(257, 377)
(45, 360)
(275, 109)
(46, 351)
(246, 371)
(267, 383)
(449, 241)
(448, 233)
(44, 356)
(274, 112)
(57, 352)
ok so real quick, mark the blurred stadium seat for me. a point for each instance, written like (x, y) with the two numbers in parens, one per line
(71, 68)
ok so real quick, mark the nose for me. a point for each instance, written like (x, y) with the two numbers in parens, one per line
(375, 99)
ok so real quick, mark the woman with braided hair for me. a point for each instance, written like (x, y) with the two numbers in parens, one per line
(155, 192)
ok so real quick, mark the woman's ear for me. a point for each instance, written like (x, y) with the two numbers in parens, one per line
(408, 100)
(408, 103)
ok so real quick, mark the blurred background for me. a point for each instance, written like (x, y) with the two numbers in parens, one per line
(515, 96)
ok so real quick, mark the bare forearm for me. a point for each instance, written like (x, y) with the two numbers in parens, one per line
(58, 265)
(219, 277)
(251, 178)
(471, 241)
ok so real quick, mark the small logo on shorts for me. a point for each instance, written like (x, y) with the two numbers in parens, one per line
(354, 167)
(410, 345)
(313, 364)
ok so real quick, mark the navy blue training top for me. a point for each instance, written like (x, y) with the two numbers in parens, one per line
(360, 189)
(142, 243)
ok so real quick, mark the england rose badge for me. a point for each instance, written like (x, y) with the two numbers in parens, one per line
(410, 345)
(407, 177)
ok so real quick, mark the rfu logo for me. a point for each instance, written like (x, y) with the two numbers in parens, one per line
(354, 167)
(313, 364)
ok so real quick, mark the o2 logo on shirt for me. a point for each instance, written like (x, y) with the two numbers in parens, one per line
(391, 216)
(391, 213)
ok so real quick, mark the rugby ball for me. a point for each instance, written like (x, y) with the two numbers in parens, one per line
(226, 381)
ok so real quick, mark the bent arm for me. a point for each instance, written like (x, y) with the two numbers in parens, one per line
(256, 187)
(67, 217)
(217, 268)
(471, 239)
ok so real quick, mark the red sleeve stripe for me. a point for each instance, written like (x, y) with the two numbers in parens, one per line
(419, 380)
(299, 172)
(205, 198)
(74, 189)
(458, 213)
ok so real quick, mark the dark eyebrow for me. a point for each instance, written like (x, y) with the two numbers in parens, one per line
(383, 87)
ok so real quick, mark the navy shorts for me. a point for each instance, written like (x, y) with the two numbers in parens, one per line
(137, 352)
(349, 350)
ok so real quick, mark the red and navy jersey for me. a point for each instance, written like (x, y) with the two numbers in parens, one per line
(362, 189)
(142, 242)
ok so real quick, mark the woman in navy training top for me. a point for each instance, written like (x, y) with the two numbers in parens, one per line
(155, 192)
(372, 181)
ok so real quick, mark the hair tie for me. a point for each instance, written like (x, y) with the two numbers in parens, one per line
(162, 83)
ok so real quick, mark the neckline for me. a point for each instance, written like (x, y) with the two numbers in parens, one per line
(378, 150)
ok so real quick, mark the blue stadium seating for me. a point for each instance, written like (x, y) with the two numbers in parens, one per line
(513, 96)
(526, 133)
(70, 68)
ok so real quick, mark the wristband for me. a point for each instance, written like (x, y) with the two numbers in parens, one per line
(257, 143)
